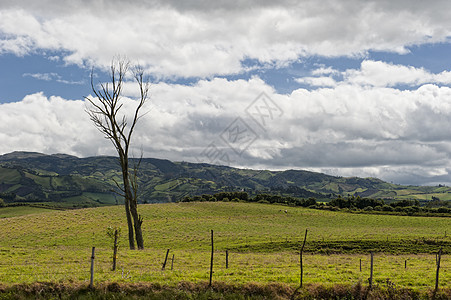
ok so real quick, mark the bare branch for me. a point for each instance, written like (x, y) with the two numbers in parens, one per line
(106, 114)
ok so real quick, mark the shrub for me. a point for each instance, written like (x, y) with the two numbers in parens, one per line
(444, 210)
(387, 208)
(411, 209)
(263, 201)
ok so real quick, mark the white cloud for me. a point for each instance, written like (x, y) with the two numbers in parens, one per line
(376, 74)
(317, 81)
(52, 77)
(50, 125)
(42, 76)
(325, 71)
(348, 128)
(358, 122)
(179, 38)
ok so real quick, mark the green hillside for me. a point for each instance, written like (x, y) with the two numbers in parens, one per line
(70, 181)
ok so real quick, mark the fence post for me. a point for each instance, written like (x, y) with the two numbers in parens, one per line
(438, 271)
(211, 260)
(116, 234)
(371, 272)
(300, 259)
(91, 283)
(172, 262)
(227, 259)
(165, 261)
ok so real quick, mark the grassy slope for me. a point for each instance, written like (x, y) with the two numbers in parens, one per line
(17, 211)
(185, 225)
(261, 240)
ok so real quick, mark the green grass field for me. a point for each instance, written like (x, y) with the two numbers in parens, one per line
(262, 240)
(17, 211)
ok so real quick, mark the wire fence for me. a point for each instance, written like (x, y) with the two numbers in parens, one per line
(233, 267)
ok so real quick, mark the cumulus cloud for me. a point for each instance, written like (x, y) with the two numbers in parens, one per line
(348, 129)
(197, 38)
(317, 81)
(376, 74)
(380, 119)
(49, 125)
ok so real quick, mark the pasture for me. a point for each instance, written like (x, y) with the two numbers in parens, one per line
(262, 241)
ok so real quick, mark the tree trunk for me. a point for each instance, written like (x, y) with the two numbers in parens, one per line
(132, 205)
(128, 200)
(131, 238)
(137, 220)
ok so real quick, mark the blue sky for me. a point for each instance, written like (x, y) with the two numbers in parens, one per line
(38, 72)
(361, 88)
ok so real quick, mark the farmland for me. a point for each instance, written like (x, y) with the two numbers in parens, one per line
(262, 241)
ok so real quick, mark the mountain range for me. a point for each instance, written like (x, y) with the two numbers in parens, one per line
(69, 181)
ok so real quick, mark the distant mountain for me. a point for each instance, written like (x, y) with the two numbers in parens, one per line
(72, 181)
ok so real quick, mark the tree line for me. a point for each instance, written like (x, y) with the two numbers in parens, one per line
(350, 203)
(245, 197)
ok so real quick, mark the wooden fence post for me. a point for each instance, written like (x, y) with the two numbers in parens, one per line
(91, 283)
(371, 272)
(116, 235)
(227, 259)
(438, 271)
(300, 259)
(360, 265)
(211, 260)
(165, 261)
(172, 262)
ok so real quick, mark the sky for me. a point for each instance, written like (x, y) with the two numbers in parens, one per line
(347, 88)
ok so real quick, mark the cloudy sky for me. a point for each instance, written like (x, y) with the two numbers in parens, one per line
(350, 88)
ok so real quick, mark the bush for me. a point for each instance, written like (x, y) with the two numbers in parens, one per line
(412, 209)
(387, 208)
(263, 202)
(444, 210)
(2, 203)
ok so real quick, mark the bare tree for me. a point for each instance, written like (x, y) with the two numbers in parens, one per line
(105, 112)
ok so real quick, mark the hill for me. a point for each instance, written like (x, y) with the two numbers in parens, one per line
(72, 181)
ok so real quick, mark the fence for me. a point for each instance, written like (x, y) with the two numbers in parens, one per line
(172, 265)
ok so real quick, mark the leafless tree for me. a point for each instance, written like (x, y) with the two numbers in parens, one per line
(106, 114)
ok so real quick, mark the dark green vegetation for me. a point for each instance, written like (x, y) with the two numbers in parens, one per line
(67, 181)
(188, 290)
(349, 204)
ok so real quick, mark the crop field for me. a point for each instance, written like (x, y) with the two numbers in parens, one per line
(262, 242)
